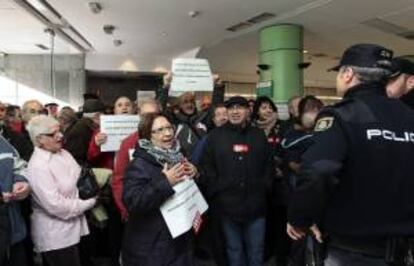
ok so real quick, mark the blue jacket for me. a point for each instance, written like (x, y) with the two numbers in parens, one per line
(12, 170)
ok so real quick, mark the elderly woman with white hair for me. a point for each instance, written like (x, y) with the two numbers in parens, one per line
(58, 220)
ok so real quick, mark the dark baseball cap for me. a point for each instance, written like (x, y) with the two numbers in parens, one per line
(51, 104)
(365, 55)
(402, 66)
(93, 106)
(236, 100)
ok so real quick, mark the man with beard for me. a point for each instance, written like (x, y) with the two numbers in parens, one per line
(192, 125)
(401, 85)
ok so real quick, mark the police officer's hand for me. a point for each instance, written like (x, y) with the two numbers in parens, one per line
(297, 233)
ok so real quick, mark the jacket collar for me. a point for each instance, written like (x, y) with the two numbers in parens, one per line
(143, 154)
(44, 154)
(365, 89)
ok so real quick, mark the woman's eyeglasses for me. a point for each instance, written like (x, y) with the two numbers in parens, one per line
(51, 135)
(163, 130)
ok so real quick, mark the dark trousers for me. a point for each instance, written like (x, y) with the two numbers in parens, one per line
(339, 257)
(16, 256)
(277, 241)
(63, 257)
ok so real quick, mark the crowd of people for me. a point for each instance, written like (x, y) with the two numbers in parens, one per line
(258, 173)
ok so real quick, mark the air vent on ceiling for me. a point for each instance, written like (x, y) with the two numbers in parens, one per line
(41, 46)
(389, 27)
(261, 18)
(251, 22)
(239, 26)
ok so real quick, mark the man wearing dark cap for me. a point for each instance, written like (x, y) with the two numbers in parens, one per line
(356, 179)
(236, 167)
(77, 139)
(401, 84)
(52, 109)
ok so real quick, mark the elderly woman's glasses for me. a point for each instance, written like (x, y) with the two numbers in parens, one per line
(51, 135)
(163, 130)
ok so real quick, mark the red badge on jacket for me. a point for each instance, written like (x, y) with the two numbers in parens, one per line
(241, 148)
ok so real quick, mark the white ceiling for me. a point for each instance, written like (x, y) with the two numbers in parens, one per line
(154, 31)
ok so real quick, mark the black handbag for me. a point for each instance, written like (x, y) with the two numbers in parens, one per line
(87, 185)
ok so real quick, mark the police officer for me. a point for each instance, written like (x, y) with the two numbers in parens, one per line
(401, 84)
(356, 181)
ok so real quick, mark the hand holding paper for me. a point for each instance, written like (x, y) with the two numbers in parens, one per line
(174, 174)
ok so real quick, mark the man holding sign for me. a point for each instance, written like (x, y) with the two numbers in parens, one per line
(190, 123)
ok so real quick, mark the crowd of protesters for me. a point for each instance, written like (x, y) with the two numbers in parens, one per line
(243, 157)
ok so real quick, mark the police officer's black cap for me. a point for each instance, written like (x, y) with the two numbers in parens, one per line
(236, 100)
(402, 66)
(365, 55)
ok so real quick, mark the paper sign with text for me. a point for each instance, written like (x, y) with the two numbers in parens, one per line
(117, 128)
(183, 207)
(191, 75)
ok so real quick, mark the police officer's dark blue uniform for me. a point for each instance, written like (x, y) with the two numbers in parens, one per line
(357, 181)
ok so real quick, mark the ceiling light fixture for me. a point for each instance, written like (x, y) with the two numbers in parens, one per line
(118, 43)
(109, 29)
(42, 46)
(194, 14)
(95, 7)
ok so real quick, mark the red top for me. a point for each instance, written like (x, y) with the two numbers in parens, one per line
(98, 158)
(121, 163)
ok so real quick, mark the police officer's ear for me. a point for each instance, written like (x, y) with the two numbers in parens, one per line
(347, 74)
(410, 83)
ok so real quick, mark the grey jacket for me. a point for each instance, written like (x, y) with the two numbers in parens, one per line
(12, 169)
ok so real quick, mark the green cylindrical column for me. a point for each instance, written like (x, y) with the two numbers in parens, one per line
(281, 48)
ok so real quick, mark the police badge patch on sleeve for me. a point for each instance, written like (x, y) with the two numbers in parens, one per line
(324, 123)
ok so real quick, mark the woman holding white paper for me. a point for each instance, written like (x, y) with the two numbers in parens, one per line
(122, 106)
(158, 165)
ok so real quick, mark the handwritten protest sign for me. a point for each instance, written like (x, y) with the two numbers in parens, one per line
(191, 75)
(117, 127)
(183, 207)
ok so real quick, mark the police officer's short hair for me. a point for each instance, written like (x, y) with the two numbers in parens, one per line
(370, 74)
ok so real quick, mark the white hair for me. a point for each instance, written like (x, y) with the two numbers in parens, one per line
(40, 125)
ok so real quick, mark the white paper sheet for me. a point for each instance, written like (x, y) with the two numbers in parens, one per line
(191, 74)
(117, 127)
(180, 210)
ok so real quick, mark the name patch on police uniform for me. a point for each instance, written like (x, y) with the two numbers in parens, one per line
(324, 123)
